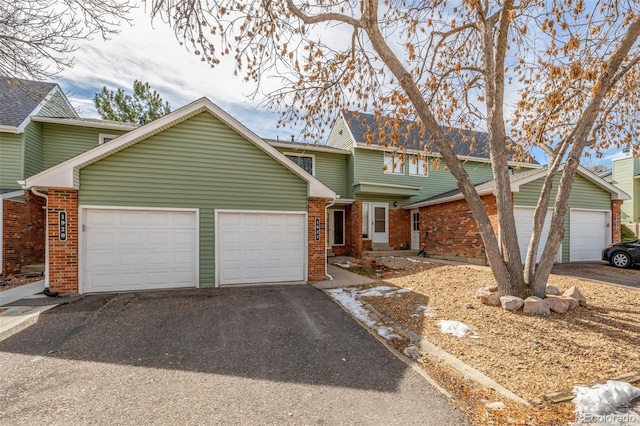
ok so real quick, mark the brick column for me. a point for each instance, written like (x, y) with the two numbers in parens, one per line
(355, 236)
(63, 255)
(616, 220)
(317, 251)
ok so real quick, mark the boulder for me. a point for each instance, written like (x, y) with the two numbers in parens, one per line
(535, 306)
(575, 293)
(492, 299)
(552, 289)
(511, 303)
(573, 303)
(491, 287)
(483, 292)
(558, 305)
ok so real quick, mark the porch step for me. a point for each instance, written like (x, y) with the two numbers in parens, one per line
(38, 268)
(387, 253)
(381, 247)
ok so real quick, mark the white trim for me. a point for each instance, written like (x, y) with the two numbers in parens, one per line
(333, 228)
(8, 129)
(609, 226)
(62, 175)
(443, 200)
(103, 136)
(312, 156)
(216, 212)
(344, 201)
(372, 223)
(81, 235)
(435, 154)
(386, 185)
(309, 147)
(83, 123)
(12, 194)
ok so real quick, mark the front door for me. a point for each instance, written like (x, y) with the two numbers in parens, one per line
(415, 229)
(380, 223)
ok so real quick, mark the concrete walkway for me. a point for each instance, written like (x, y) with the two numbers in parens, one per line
(341, 278)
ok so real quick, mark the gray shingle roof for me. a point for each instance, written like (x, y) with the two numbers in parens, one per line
(465, 143)
(18, 99)
(303, 145)
(96, 121)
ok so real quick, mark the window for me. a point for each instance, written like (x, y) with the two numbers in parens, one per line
(104, 138)
(393, 163)
(418, 166)
(338, 227)
(304, 161)
(415, 222)
(365, 221)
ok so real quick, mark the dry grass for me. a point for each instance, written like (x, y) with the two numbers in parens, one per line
(529, 355)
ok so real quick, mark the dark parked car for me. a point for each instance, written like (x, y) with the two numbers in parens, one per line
(622, 255)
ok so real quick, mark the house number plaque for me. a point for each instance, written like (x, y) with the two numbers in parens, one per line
(62, 225)
(317, 233)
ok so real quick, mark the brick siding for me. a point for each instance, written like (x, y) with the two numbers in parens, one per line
(400, 229)
(449, 229)
(317, 251)
(616, 217)
(23, 232)
(63, 255)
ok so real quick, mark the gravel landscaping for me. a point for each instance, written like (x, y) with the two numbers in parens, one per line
(529, 355)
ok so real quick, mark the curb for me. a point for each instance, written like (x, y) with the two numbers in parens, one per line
(455, 363)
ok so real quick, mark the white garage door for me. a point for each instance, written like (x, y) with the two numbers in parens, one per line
(588, 234)
(139, 249)
(260, 247)
(524, 228)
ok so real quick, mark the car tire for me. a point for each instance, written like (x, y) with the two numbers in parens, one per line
(620, 259)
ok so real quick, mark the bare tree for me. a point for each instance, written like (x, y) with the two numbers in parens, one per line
(571, 70)
(37, 37)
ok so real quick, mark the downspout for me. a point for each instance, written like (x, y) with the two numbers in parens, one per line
(326, 206)
(35, 191)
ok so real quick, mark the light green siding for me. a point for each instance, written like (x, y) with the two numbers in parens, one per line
(330, 168)
(623, 173)
(33, 149)
(340, 136)
(368, 168)
(11, 165)
(351, 168)
(584, 195)
(57, 107)
(200, 163)
(62, 142)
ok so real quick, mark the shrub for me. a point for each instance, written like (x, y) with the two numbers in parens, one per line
(627, 234)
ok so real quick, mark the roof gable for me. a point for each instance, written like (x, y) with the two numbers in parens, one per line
(66, 174)
(19, 99)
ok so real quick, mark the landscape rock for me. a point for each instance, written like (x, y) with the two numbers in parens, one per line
(492, 288)
(575, 293)
(558, 305)
(493, 299)
(553, 290)
(573, 303)
(468, 305)
(535, 306)
(511, 303)
(482, 292)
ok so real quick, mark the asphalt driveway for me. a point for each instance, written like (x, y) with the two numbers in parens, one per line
(599, 271)
(261, 355)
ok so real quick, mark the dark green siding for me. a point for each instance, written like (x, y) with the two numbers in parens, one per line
(200, 163)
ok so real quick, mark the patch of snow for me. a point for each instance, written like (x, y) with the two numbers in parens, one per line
(425, 311)
(605, 404)
(381, 290)
(499, 405)
(348, 298)
(457, 328)
(404, 290)
(412, 352)
(343, 265)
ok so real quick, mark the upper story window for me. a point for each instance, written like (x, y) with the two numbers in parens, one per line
(304, 161)
(418, 166)
(393, 163)
(104, 138)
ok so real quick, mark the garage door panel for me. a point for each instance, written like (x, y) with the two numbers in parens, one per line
(588, 234)
(524, 230)
(260, 247)
(128, 250)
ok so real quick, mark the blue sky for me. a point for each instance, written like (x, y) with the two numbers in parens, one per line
(151, 53)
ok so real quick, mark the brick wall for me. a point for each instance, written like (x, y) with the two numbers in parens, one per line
(63, 255)
(452, 232)
(317, 251)
(23, 233)
(616, 219)
(400, 229)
